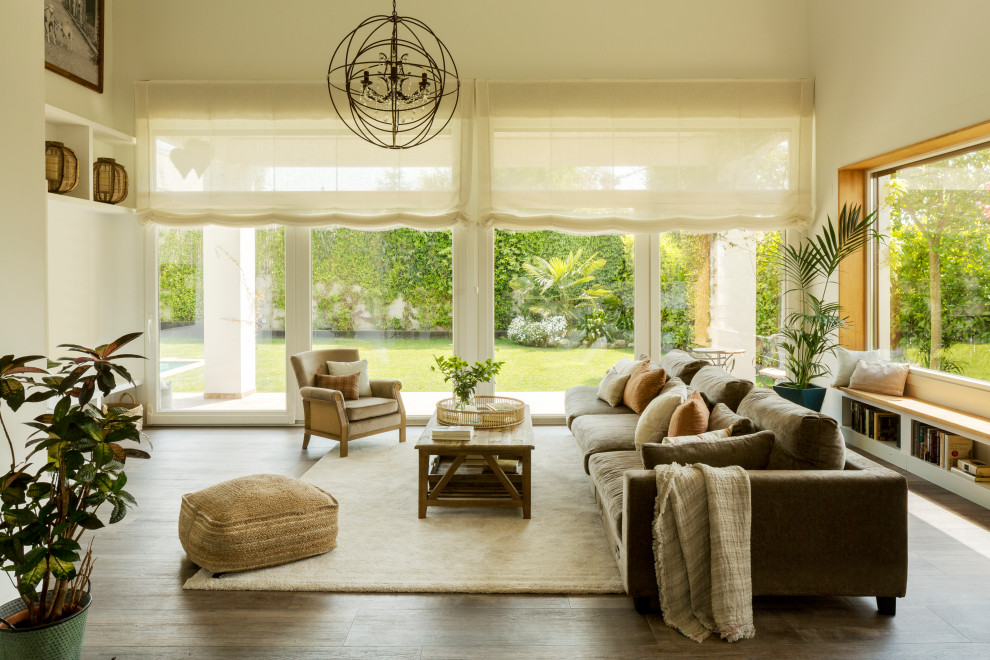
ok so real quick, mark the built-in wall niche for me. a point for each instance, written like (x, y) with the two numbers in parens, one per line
(90, 140)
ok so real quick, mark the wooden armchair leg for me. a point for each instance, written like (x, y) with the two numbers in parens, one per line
(305, 440)
(343, 447)
(402, 434)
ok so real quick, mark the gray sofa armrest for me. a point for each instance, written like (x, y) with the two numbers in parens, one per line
(836, 532)
(387, 389)
(814, 532)
(321, 394)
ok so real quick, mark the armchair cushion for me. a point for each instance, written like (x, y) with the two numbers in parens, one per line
(320, 394)
(359, 367)
(348, 385)
(369, 406)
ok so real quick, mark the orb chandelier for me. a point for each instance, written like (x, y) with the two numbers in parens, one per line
(393, 82)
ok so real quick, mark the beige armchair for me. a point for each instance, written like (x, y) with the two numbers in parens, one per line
(328, 415)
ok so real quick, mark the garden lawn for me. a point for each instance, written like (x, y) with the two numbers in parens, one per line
(527, 369)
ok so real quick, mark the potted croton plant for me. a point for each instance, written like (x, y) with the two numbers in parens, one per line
(466, 377)
(73, 471)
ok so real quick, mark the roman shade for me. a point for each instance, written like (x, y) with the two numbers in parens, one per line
(579, 156)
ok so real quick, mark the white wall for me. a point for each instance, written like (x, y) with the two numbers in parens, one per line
(516, 39)
(889, 73)
(22, 202)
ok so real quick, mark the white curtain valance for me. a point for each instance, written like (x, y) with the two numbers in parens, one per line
(587, 157)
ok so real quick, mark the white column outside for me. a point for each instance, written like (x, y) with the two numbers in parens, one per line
(733, 309)
(229, 306)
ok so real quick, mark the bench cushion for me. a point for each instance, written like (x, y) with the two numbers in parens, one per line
(583, 400)
(607, 470)
(601, 433)
(256, 521)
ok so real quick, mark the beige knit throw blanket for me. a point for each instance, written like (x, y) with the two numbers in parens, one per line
(701, 545)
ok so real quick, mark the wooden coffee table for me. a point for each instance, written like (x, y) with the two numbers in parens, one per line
(446, 480)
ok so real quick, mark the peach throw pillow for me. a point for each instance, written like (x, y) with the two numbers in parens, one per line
(642, 387)
(690, 418)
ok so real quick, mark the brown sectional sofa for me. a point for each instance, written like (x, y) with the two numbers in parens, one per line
(823, 522)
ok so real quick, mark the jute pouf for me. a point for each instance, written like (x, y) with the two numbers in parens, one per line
(256, 521)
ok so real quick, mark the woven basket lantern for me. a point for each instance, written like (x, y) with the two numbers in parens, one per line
(61, 168)
(109, 181)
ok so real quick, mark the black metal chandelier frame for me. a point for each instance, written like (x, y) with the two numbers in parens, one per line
(371, 75)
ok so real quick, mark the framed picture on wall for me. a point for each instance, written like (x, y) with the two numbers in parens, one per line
(74, 40)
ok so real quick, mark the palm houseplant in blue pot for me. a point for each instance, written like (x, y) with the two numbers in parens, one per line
(810, 332)
(70, 484)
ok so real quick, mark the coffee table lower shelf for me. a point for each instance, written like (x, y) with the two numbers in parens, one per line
(441, 484)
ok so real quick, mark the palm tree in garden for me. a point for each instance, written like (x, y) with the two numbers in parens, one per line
(560, 286)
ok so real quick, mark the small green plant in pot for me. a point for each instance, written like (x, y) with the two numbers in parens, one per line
(465, 377)
(811, 331)
(73, 471)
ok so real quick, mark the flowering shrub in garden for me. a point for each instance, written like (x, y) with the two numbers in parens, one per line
(548, 332)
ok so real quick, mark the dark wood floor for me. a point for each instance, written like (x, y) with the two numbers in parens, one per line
(141, 611)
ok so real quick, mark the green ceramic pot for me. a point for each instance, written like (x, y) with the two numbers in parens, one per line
(61, 640)
(811, 398)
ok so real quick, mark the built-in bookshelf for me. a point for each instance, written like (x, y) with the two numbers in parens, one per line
(921, 437)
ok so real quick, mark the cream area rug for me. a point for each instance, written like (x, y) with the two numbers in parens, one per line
(382, 546)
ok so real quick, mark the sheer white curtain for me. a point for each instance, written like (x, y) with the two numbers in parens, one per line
(252, 154)
(648, 156)
(580, 156)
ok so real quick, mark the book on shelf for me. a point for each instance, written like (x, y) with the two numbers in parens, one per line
(955, 447)
(974, 467)
(970, 477)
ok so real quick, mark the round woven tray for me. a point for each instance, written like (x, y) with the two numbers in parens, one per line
(493, 412)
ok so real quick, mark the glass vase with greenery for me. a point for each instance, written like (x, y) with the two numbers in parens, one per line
(809, 269)
(465, 377)
(74, 467)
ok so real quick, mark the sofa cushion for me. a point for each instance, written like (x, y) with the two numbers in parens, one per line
(655, 420)
(804, 439)
(751, 452)
(642, 387)
(723, 418)
(583, 400)
(690, 417)
(599, 433)
(612, 386)
(707, 436)
(721, 387)
(607, 470)
(682, 365)
(369, 406)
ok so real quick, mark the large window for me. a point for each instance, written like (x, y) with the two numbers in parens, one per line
(722, 291)
(221, 309)
(933, 278)
(388, 294)
(563, 310)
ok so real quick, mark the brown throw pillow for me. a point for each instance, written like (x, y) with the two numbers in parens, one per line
(347, 385)
(690, 418)
(642, 387)
(722, 417)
